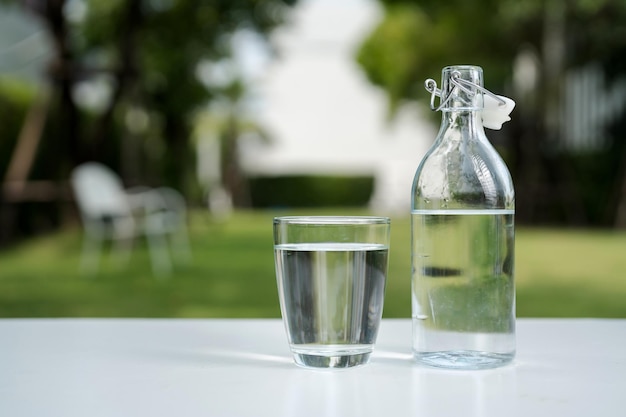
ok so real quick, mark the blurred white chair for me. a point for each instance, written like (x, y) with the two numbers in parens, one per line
(109, 212)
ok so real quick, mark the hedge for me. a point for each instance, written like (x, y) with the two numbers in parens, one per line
(310, 191)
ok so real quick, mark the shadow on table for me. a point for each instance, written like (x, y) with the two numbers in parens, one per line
(221, 357)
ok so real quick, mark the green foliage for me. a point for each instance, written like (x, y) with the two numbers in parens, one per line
(170, 39)
(157, 47)
(415, 40)
(429, 35)
(404, 26)
(310, 191)
(148, 53)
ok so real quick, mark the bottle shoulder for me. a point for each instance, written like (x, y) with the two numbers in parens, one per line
(462, 174)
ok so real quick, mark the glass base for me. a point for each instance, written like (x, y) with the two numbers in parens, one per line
(463, 359)
(332, 361)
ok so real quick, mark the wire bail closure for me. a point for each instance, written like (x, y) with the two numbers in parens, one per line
(431, 86)
(496, 109)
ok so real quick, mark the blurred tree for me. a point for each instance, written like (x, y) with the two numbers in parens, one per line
(231, 131)
(545, 39)
(230, 124)
(124, 78)
(150, 51)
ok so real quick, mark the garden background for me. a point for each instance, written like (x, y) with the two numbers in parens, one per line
(175, 93)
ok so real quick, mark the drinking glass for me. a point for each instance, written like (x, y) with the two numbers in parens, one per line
(331, 274)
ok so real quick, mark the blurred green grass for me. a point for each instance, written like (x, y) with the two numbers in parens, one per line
(559, 273)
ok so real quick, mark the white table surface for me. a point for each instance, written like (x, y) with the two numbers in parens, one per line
(133, 367)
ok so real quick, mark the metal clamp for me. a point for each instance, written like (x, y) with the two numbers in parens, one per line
(467, 86)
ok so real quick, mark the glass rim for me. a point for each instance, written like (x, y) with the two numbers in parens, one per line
(331, 220)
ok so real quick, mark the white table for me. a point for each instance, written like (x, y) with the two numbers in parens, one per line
(128, 367)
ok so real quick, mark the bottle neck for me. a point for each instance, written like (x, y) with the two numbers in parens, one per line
(461, 88)
(463, 102)
(462, 125)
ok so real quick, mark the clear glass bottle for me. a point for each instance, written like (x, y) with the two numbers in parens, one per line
(463, 206)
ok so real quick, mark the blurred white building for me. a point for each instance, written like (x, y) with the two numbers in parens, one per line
(324, 116)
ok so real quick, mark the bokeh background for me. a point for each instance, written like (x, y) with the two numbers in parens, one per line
(255, 108)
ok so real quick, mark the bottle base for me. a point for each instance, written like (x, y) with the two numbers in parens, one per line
(464, 359)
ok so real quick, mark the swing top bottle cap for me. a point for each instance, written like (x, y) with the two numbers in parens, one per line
(462, 90)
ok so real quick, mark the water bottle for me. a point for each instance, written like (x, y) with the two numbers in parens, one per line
(462, 232)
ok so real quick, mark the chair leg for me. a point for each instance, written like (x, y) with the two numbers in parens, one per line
(181, 246)
(123, 247)
(159, 256)
(90, 256)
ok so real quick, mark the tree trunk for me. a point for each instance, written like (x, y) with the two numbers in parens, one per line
(125, 76)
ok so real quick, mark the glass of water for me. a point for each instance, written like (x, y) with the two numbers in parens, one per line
(331, 273)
